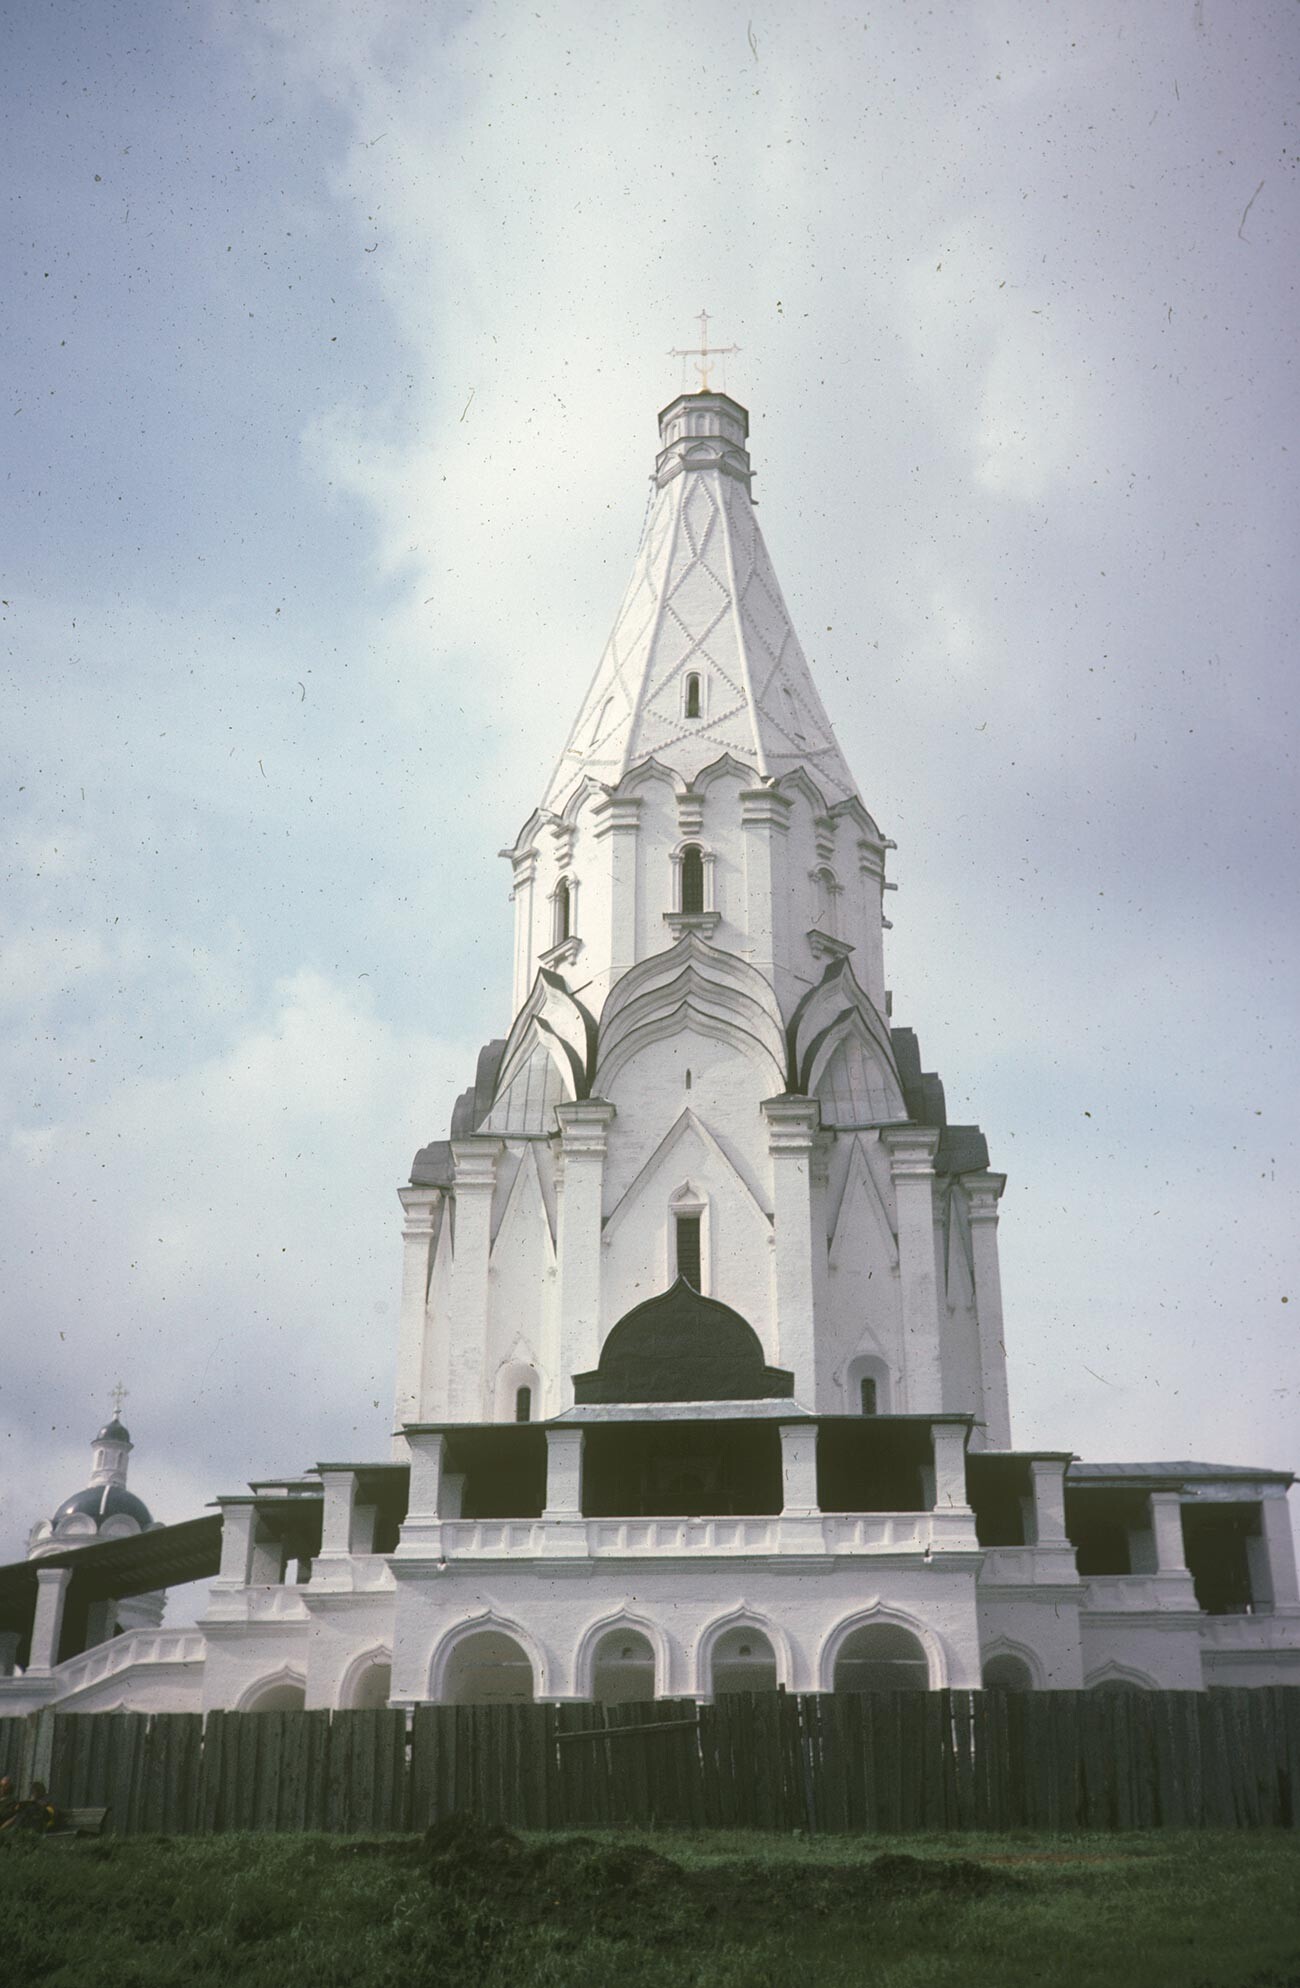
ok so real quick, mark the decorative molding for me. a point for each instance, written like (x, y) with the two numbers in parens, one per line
(705, 923)
(823, 946)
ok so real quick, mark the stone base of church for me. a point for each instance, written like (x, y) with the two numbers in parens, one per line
(569, 1630)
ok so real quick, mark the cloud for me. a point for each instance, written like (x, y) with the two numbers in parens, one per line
(227, 1242)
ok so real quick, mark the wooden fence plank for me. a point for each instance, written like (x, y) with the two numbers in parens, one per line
(1290, 1726)
(876, 1761)
(935, 1713)
(881, 1710)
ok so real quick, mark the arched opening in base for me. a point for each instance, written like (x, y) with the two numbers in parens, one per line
(371, 1690)
(743, 1661)
(881, 1656)
(283, 1695)
(488, 1668)
(623, 1670)
(1007, 1673)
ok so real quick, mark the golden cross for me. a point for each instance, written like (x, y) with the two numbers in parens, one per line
(119, 1396)
(701, 353)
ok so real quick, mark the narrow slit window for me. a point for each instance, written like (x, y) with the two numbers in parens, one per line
(692, 879)
(563, 912)
(523, 1404)
(688, 1249)
(692, 696)
(867, 1395)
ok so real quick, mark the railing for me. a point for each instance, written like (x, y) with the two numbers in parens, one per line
(1138, 1594)
(1029, 1566)
(662, 1538)
(119, 1653)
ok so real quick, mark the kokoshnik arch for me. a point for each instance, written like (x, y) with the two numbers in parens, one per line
(701, 1383)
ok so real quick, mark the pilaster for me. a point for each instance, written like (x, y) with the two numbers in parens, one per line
(1047, 1475)
(911, 1150)
(617, 821)
(584, 1131)
(799, 1470)
(524, 891)
(1167, 1532)
(793, 1124)
(983, 1191)
(47, 1625)
(421, 1534)
(347, 1526)
(475, 1169)
(1279, 1547)
(765, 821)
(565, 1536)
(420, 1207)
(237, 1526)
(949, 1441)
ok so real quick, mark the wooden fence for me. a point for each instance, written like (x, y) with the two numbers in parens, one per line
(951, 1760)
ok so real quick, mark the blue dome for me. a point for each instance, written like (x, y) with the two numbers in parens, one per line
(106, 1501)
(113, 1432)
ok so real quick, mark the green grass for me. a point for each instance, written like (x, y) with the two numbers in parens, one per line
(1211, 1910)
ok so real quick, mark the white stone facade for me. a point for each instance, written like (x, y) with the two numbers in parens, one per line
(702, 1129)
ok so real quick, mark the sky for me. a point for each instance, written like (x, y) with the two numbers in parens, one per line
(333, 340)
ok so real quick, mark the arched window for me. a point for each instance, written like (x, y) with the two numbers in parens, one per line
(866, 1386)
(692, 696)
(563, 911)
(692, 878)
(688, 1249)
(515, 1394)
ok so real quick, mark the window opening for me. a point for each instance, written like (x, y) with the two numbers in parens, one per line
(692, 696)
(563, 909)
(523, 1404)
(692, 879)
(688, 1249)
(867, 1395)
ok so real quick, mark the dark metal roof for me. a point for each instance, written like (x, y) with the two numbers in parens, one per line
(432, 1165)
(167, 1557)
(113, 1432)
(106, 1501)
(1176, 1473)
(681, 1346)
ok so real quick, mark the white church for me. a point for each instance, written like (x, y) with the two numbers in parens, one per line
(701, 1384)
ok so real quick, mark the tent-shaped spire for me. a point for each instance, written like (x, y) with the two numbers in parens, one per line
(702, 660)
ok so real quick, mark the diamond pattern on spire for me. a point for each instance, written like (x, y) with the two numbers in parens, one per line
(683, 611)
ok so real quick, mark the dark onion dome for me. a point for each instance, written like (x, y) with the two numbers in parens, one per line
(113, 1432)
(106, 1501)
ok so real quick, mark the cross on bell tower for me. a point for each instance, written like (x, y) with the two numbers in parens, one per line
(702, 354)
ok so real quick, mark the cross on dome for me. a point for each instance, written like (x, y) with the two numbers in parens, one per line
(120, 1394)
(702, 354)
